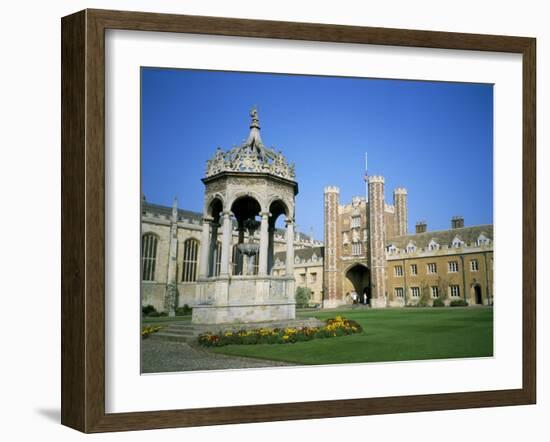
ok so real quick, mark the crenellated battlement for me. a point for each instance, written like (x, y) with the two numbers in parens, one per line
(376, 179)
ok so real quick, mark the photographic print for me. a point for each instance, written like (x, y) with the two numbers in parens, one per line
(294, 220)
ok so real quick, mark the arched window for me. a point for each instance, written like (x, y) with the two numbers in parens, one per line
(217, 258)
(148, 256)
(190, 257)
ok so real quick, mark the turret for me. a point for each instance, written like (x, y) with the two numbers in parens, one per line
(401, 216)
(331, 280)
(377, 240)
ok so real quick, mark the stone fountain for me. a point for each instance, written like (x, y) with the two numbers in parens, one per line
(247, 188)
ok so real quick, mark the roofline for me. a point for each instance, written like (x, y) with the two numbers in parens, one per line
(440, 231)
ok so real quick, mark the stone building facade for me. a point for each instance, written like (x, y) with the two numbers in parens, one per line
(367, 248)
(308, 269)
(450, 265)
(369, 251)
(157, 223)
(413, 268)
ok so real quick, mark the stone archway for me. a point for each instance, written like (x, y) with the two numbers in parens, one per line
(247, 210)
(358, 277)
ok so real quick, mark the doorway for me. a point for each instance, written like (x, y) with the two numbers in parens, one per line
(358, 276)
(477, 294)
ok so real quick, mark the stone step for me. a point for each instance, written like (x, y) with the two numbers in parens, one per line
(169, 337)
(179, 332)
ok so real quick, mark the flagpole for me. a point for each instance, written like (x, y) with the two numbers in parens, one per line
(366, 179)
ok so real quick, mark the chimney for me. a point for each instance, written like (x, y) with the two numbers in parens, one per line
(421, 226)
(457, 222)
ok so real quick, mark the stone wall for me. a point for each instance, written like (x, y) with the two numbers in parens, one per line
(307, 274)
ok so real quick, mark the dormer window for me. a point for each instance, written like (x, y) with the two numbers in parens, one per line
(457, 242)
(411, 247)
(482, 240)
(391, 248)
(433, 245)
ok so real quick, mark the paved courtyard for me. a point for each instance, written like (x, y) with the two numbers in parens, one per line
(167, 356)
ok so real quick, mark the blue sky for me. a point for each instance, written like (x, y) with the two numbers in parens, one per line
(434, 138)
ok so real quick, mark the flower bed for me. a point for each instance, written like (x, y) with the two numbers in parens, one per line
(149, 330)
(334, 327)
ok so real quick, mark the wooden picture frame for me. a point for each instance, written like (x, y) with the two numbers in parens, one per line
(83, 220)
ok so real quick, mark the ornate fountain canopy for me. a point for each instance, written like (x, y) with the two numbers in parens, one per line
(251, 156)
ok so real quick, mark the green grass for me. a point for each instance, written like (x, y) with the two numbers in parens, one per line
(388, 335)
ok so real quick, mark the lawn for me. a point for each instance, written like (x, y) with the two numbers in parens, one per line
(388, 335)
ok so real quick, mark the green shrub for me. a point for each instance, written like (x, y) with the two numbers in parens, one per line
(303, 295)
(184, 311)
(459, 303)
(438, 302)
(424, 300)
(146, 310)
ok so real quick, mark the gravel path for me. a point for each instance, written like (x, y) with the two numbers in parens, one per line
(163, 356)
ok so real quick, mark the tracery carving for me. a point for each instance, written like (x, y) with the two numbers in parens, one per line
(251, 156)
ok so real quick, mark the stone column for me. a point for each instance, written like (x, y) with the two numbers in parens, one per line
(212, 257)
(227, 227)
(264, 244)
(289, 248)
(271, 232)
(205, 247)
